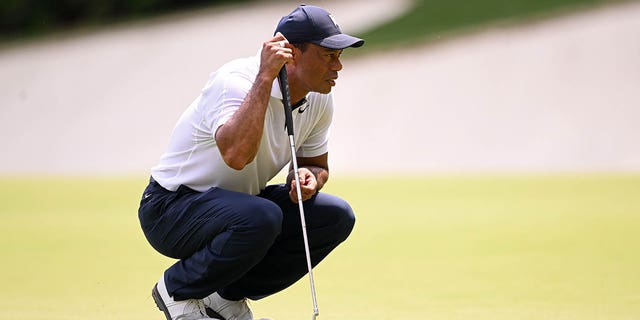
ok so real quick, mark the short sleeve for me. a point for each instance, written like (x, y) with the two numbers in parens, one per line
(222, 97)
(317, 143)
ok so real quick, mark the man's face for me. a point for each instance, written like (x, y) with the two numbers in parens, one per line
(317, 68)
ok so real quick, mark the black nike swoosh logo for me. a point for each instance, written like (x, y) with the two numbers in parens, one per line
(303, 108)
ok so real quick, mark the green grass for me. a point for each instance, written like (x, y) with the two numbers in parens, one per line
(431, 18)
(477, 247)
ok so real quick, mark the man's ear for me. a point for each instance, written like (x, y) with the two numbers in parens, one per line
(296, 55)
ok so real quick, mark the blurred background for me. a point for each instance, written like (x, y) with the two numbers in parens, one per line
(94, 87)
(490, 150)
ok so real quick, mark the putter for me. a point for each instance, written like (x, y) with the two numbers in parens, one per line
(284, 87)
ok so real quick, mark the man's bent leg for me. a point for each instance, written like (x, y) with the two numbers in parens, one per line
(218, 235)
(329, 222)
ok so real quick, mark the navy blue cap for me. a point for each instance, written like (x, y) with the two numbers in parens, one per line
(315, 25)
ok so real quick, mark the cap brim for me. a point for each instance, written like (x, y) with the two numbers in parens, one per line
(340, 41)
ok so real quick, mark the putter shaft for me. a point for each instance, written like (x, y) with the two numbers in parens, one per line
(284, 87)
(304, 227)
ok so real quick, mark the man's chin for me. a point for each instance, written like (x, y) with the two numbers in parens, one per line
(324, 90)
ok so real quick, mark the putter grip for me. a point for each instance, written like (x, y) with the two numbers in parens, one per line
(286, 100)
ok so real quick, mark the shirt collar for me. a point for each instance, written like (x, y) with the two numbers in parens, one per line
(277, 93)
(275, 89)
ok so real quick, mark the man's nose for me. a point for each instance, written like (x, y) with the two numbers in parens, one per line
(337, 65)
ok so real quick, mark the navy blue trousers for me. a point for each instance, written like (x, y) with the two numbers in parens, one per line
(236, 244)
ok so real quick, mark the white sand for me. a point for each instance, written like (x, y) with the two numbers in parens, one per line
(558, 95)
(561, 94)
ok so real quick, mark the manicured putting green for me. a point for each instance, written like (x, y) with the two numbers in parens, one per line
(445, 247)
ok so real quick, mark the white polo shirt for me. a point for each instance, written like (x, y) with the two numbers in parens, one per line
(192, 157)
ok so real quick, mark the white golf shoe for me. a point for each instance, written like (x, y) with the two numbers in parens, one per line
(217, 306)
(192, 309)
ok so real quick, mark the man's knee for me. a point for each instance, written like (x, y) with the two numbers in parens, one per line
(347, 221)
(253, 228)
(265, 219)
(343, 218)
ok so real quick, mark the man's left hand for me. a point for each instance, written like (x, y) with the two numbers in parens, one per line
(308, 185)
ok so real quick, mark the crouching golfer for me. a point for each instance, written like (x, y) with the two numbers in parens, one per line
(207, 203)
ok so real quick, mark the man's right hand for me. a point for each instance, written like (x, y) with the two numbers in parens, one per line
(239, 138)
(276, 52)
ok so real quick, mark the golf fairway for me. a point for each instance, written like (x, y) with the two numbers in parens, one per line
(433, 247)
